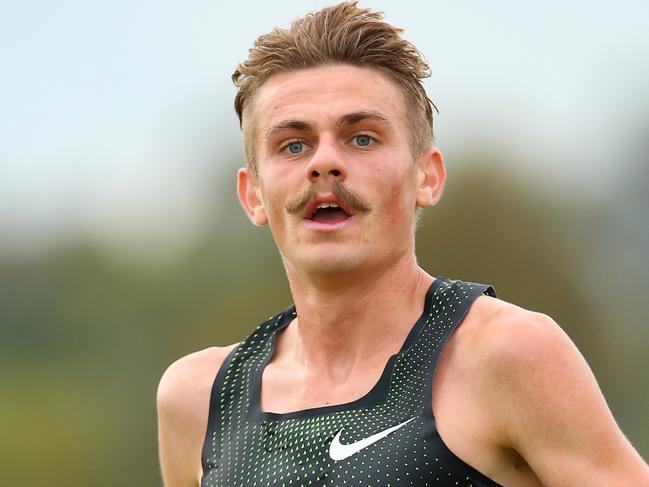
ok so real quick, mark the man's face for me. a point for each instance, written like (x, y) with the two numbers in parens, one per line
(336, 179)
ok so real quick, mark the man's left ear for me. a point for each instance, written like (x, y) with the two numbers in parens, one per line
(431, 177)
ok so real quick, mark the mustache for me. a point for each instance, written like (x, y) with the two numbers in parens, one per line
(351, 199)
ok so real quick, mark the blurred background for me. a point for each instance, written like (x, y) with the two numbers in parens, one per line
(122, 245)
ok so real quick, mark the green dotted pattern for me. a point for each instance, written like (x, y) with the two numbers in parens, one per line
(243, 449)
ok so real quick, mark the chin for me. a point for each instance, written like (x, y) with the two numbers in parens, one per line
(329, 263)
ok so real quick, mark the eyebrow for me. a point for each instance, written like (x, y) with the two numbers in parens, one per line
(347, 119)
(298, 125)
(355, 117)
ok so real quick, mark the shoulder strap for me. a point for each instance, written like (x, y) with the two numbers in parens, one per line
(231, 383)
(450, 305)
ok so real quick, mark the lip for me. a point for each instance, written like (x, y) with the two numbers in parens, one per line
(325, 198)
(322, 227)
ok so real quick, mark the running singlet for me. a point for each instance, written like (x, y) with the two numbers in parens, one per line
(387, 438)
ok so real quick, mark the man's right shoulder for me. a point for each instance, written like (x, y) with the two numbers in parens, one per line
(186, 384)
(183, 401)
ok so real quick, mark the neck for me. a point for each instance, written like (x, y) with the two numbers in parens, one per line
(345, 321)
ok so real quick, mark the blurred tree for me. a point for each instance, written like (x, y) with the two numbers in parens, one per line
(84, 337)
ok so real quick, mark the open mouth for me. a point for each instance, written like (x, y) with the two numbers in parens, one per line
(329, 213)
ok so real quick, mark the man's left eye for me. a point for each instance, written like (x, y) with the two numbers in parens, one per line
(363, 140)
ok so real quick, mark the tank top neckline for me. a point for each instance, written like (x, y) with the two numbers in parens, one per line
(376, 395)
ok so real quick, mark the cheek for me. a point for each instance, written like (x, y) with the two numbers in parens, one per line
(397, 206)
(273, 208)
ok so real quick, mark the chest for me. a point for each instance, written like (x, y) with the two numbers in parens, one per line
(381, 431)
(384, 436)
(343, 450)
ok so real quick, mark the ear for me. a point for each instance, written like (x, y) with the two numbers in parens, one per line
(250, 196)
(431, 177)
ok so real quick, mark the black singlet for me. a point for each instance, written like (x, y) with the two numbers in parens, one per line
(387, 438)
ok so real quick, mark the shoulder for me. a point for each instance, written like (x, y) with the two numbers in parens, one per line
(186, 384)
(542, 398)
(540, 393)
(510, 332)
(511, 347)
(501, 349)
(190, 374)
(183, 399)
(520, 365)
(498, 334)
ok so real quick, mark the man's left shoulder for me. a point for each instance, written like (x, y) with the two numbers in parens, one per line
(526, 369)
(501, 331)
(506, 345)
(536, 390)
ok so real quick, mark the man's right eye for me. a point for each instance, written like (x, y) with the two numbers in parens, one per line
(295, 147)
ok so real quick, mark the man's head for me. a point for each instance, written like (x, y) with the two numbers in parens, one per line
(340, 153)
(342, 34)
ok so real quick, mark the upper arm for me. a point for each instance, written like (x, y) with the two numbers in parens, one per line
(182, 400)
(552, 411)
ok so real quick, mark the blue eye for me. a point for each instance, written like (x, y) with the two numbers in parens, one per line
(295, 147)
(363, 140)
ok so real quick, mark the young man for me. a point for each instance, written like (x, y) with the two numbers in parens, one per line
(369, 379)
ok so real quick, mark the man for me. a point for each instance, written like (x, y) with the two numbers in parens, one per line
(369, 379)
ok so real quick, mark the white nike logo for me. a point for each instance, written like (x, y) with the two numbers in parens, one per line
(338, 451)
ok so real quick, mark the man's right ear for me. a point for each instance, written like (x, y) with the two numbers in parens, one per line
(250, 196)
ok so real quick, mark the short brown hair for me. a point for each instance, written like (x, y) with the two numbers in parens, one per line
(342, 34)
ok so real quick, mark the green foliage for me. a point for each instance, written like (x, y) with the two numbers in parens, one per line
(84, 337)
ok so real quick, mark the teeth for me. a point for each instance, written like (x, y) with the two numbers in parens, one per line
(327, 205)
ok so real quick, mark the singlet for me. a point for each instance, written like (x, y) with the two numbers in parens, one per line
(386, 438)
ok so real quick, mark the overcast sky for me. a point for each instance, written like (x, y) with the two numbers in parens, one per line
(111, 111)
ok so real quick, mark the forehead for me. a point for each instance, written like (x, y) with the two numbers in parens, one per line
(322, 95)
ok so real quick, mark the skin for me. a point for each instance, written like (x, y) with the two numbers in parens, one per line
(513, 396)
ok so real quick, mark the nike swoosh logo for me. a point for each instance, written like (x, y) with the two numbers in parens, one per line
(338, 451)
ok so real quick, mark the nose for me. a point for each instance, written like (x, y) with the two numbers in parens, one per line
(327, 163)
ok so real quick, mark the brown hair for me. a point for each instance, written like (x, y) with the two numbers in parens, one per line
(341, 34)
